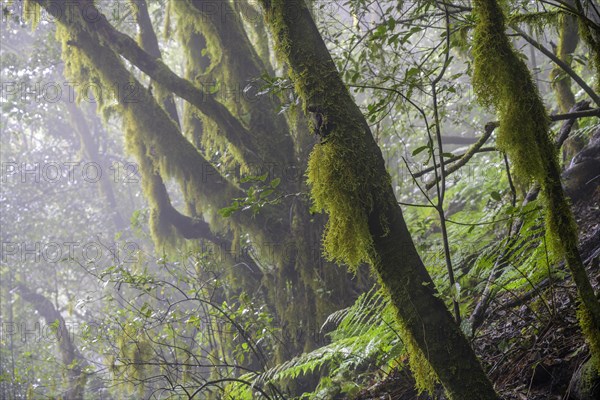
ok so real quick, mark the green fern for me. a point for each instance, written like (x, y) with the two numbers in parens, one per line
(365, 339)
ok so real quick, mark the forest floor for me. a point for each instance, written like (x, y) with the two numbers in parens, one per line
(530, 344)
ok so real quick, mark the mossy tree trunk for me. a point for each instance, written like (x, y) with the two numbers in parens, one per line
(303, 289)
(350, 182)
(567, 43)
(502, 80)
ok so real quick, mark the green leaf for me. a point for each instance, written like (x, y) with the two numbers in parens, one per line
(393, 39)
(419, 150)
(412, 71)
(496, 196)
(266, 193)
(227, 211)
(275, 182)
(194, 320)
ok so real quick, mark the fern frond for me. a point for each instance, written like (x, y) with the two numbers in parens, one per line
(366, 336)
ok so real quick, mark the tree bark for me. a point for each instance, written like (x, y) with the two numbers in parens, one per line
(72, 360)
(568, 40)
(429, 328)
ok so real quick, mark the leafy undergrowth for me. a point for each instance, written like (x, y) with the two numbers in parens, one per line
(530, 343)
(363, 337)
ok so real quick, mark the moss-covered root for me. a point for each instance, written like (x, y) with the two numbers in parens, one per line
(501, 79)
(586, 381)
(349, 181)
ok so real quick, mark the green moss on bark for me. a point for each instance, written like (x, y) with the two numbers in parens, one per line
(425, 376)
(342, 171)
(501, 79)
(586, 320)
(338, 188)
(349, 181)
(144, 122)
(567, 43)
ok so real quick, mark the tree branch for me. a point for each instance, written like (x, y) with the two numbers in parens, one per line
(149, 42)
(578, 111)
(594, 112)
(452, 160)
(233, 130)
(489, 128)
(593, 95)
(565, 130)
(153, 126)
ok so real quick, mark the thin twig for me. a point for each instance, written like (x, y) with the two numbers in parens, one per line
(489, 128)
(452, 160)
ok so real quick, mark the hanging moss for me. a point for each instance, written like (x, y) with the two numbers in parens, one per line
(336, 189)
(167, 23)
(32, 13)
(78, 69)
(425, 376)
(342, 171)
(134, 354)
(164, 235)
(189, 23)
(501, 79)
(88, 82)
(234, 61)
(158, 133)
